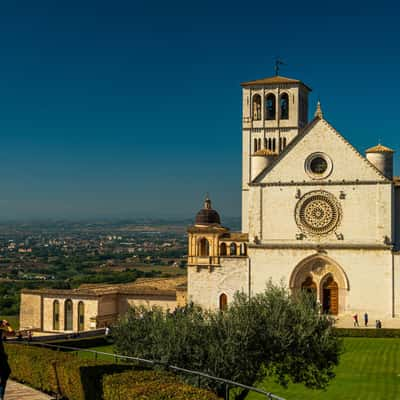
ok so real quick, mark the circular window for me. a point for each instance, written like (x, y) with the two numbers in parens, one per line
(318, 213)
(318, 165)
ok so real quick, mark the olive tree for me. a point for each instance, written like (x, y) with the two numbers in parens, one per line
(271, 334)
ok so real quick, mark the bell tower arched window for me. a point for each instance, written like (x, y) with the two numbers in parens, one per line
(222, 249)
(256, 107)
(203, 247)
(232, 249)
(270, 106)
(284, 106)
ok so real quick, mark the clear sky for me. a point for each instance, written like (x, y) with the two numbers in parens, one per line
(133, 108)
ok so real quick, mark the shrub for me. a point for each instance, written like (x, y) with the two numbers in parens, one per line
(368, 333)
(58, 372)
(150, 385)
(79, 379)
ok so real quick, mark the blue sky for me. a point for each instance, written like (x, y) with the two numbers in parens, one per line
(133, 108)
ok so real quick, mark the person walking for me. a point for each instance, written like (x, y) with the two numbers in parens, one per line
(5, 330)
(355, 317)
(366, 319)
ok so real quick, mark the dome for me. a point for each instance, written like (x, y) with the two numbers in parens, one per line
(207, 216)
(379, 149)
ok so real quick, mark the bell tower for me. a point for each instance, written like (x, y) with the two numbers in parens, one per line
(274, 111)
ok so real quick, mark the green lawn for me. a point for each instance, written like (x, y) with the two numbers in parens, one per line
(369, 369)
(92, 356)
(12, 319)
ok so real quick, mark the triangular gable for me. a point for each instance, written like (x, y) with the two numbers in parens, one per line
(320, 136)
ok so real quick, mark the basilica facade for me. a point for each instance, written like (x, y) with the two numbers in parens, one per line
(316, 213)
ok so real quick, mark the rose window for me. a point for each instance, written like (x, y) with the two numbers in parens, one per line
(318, 213)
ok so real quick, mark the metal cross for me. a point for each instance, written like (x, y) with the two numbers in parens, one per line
(278, 63)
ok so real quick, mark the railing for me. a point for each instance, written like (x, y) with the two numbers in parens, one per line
(228, 384)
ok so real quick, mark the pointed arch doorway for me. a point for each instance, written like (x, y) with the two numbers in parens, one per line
(326, 278)
(330, 296)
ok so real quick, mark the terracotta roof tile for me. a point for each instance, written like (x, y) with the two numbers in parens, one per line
(379, 149)
(273, 80)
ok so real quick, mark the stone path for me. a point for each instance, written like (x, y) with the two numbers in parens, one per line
(16, 391)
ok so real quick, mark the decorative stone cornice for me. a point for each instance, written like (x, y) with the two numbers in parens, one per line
(320, 247)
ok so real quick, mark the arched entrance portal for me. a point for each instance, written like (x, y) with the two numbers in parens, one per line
(324, 277)
(330, 296)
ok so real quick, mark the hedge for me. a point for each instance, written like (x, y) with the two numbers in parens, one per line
(151, 385)
(368, 333)
(58, 372)
(73, 378)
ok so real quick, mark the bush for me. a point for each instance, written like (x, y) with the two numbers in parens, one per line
(78, 379)
(150, 385)
(58, 372)
(368, 333)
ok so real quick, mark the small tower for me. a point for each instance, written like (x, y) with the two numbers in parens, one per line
(203, 249)
(381, 157)
(275, 110)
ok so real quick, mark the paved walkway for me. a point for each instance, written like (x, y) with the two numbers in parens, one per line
(16, 391)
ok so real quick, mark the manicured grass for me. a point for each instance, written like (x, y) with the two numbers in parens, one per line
(369, 370)
(92, 356)
(12, 319)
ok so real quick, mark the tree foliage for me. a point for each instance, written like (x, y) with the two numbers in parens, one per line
(273, 333)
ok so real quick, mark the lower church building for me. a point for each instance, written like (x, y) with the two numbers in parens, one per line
(316, 214)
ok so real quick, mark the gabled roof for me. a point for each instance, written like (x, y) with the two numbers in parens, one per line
(300, 137)
(274, 80)
(379, 149)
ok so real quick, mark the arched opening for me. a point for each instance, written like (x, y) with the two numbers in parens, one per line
(56, 315)
(265, 143)
(309, 286)
(270, 106)
(81, 316)
(284, 106)
(257, 107)
(203, 248)
(223, 302)
(284, 142)
(331, 282)
(269, 144)
(330, 296)
(232, 249)
(259, 144)
(222, 249)
(243, 249)
(255, 145)
(68, 314)
(273, 144)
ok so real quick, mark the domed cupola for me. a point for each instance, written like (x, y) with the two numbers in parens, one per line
(207, 216)
(382, 159)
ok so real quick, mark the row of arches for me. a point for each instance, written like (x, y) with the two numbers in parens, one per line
(270, 107)
(270, 144)
(225, 249)
(68, 315)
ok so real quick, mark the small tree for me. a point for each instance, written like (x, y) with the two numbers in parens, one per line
(273, 333)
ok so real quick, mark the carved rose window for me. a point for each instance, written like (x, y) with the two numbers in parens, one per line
(318, 213)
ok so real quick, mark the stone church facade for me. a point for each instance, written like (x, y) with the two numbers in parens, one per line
(316, 214)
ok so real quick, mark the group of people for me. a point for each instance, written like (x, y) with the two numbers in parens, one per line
(5, 370)
(378, 323)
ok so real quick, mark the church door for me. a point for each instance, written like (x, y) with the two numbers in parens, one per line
(330, 297)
